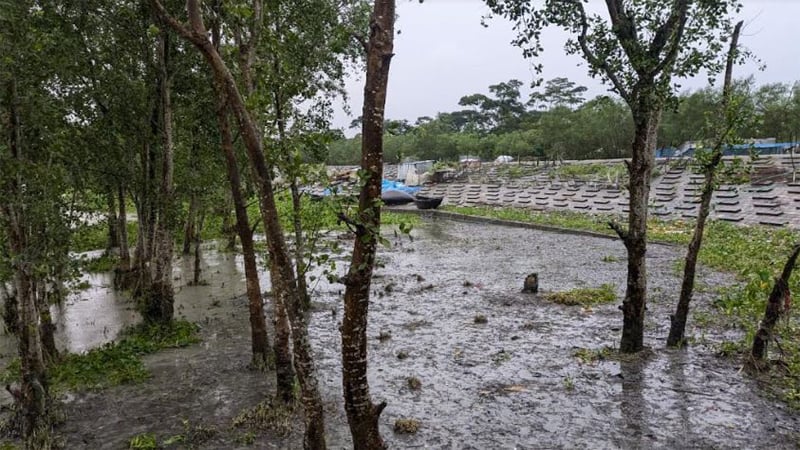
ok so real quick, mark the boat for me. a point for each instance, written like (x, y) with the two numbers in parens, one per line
(424, 202)
(396, 197)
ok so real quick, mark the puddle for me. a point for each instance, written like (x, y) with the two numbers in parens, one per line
(509, 383)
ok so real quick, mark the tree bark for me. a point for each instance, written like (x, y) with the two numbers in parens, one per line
(677, 327)
(189, 226)
(113, 232)
(46, 327)
(34, 400)
(258, 326)
(122, 227)
(643, 157)
(160, 299)
(362, 414)
(284, 286)
(778, 302)
(197, 254)
(299, 239)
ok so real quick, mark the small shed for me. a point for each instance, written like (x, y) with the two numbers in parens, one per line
(416, 167)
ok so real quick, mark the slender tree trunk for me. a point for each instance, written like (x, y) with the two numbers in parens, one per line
(113, 233)
(362, 414)
(677, 327)
(283, 282)
(299, 245)
(299, 239)
(189, 227)
(160, 302)
(635, 239)
(197, 241)
(284, 370)
(34, 399)
(46, 327)
(778, 302)
(229, 226)
(122, 227)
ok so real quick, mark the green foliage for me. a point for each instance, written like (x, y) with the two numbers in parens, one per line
(144, 441)
(596, 171)
(103, 263)
(591, 356)
(606, 293)
(95, 237)
(120, 362)
(269, 415)
(116, 362)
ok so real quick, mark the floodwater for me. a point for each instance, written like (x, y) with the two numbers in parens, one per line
(512, 382)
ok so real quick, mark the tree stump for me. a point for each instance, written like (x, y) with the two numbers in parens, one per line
(531, 285)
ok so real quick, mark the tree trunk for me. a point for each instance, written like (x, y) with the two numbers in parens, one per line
(46, 327)
(34, 399)
(124, 251)
(299, 240)
(160, 299)
(284, 370)
(197, 256)
(113, 232)
(299, 246)
(778, 302)
(635, 239)
(362, 414)
(229, 226)
(189, 227)
(284, 286)
(677, 327)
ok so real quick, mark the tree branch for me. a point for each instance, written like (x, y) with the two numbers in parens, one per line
(624, 28)
(361, 40)
(674, 28)
(357, 228)
(173, 23)
(622, 233)
(591, 57)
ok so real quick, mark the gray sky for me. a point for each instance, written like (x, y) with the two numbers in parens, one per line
(443, 53)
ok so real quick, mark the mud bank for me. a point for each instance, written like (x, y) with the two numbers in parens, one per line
(512, 382)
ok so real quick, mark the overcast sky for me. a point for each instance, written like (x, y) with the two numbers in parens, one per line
(443, 53)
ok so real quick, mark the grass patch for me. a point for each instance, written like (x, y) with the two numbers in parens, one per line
(406, 426)
(591, 356)
(560, 219)
(268, 415)
(584, 296)
(602, 171)
(103, 263)
(116, 362)
(93, 237)
(144, 441)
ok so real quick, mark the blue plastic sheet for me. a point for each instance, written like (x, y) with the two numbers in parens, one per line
(389, 185)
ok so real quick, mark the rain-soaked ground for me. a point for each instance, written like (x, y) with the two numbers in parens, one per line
(512, 382)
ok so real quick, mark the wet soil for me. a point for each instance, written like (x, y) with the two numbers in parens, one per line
(511, 382)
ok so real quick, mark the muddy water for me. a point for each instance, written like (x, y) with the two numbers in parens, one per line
(512, 382)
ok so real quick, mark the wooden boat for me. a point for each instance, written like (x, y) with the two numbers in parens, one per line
(395, 197)
(424, 202)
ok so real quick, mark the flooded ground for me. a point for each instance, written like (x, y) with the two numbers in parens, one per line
(512, 382)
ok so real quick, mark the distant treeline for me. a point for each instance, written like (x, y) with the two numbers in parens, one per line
(557, 123)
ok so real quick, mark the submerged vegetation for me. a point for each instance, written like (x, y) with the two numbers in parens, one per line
(584, 296)
(118, 362)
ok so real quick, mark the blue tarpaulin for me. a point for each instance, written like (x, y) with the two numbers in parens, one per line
(389, 185)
